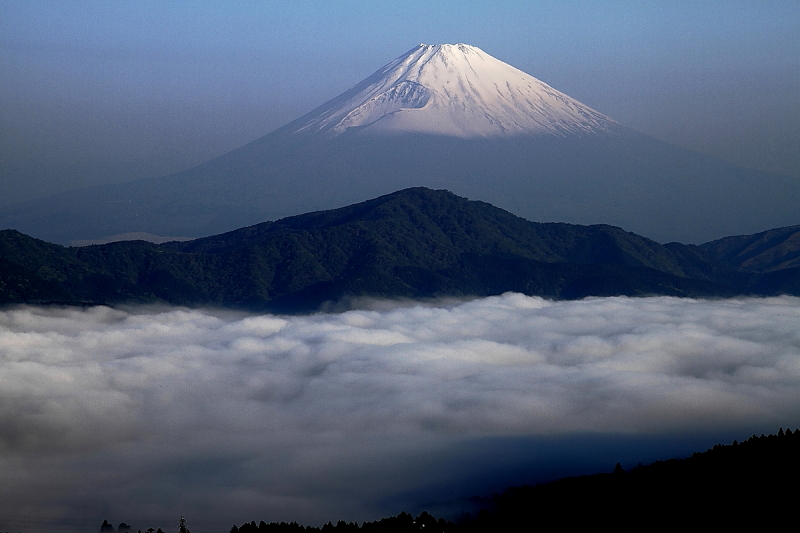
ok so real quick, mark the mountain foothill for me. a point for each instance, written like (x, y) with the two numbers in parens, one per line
(738, 485)
(414, 243)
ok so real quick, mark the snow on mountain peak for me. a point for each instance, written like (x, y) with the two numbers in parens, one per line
(457, 90)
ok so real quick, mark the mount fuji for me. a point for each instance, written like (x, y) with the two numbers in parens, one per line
(453, 90)
(446, 117)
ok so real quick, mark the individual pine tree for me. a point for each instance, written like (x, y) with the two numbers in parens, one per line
(182, 527)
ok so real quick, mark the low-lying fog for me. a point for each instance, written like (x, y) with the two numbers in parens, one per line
(142, 415)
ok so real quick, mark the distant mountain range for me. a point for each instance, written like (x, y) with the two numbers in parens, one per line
(414, 243)
(440, 116)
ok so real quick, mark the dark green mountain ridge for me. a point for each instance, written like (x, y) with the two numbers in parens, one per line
(768, 251)
(412, 243)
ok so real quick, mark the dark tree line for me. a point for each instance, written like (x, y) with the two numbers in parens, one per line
(748, 484)
(743, 484)
(125, 528)
(413, 243)
(401, 523)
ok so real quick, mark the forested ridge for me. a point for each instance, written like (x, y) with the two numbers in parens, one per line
(742, 484)
(413, 243)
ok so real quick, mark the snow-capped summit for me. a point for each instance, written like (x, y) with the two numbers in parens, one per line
(456, 90)
(444, 117)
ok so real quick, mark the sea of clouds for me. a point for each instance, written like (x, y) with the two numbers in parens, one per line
(146, 414)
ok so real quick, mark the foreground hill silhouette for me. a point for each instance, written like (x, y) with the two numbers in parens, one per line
(747, 484)
(414, 243)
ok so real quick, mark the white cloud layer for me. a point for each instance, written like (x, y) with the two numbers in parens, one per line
(140, 414)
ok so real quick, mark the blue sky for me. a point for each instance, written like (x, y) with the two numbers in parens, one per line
(94, 92)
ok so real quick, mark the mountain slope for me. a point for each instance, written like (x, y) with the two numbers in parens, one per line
(736, 482)
(768, 251)
(446, 117)
(727, 486)
(412, 243)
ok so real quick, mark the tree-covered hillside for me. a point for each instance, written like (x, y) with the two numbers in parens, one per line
(412, 243)
(743, 484)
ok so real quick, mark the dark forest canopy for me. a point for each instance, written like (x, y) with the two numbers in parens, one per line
(413, 243)
(735, 485)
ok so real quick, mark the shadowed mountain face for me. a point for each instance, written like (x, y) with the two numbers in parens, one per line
(767, 251)
(728, 479)
(446, 116)
(687, 487)
(413, 243)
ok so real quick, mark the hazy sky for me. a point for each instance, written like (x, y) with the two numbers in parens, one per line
(95, 91)
(142, 415)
